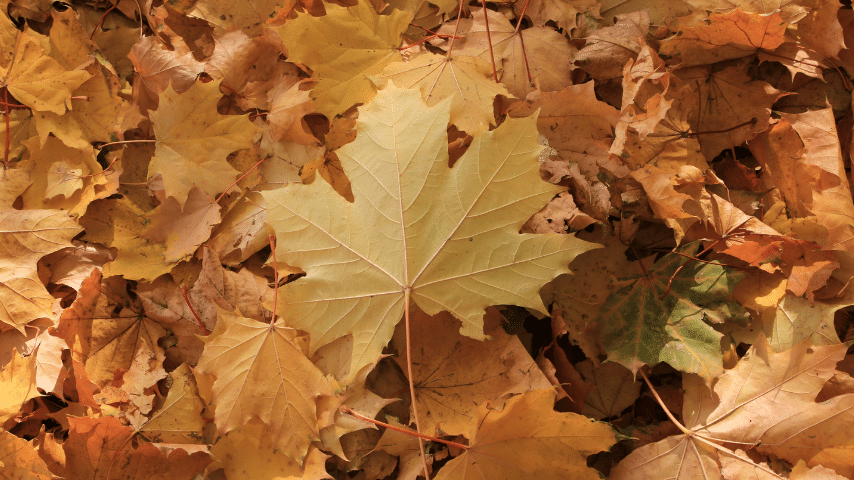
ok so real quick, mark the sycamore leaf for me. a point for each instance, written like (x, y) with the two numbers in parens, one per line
(527, 440)
(645, 322)
(466, 80)
(343, 48)
(446, 238)
(193, 141)
(261, 371)
(450, 375)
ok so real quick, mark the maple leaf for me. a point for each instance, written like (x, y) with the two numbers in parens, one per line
(466, 80)
(37, 80)
(20, 460)
(727, 36)
(654, 316)
(247, 455)
(261, 370)
(193, 141)
(456, 254)
(18, 381)
(343, 49)
(158, 67)
(801, 157)
(28, 235)
(448, 373)
(250, 18)
(527, 440)
(179, 419)
(97, 448)
(767, 398)
(534, 58)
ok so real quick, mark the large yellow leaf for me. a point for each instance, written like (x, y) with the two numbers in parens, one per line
(261, 372)
(446, 237)
(193, 141)
(527, 440)
(343, 48)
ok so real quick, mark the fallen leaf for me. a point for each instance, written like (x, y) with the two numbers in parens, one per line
(342, 72)
(529, 440)
(260, 371)
(388, 246)
(193, 141)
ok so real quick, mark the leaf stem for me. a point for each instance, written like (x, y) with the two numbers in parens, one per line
(8, 127)
(240, 178)
(122, 142)
(406, 298)
(489, 41)
(193, 310)
(276, 278)
(449, 443)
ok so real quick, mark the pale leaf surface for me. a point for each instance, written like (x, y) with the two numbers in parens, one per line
(456, 255)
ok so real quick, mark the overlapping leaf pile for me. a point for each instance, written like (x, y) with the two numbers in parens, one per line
(667, 181)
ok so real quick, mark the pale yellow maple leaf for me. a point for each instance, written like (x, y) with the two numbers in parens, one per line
(343, 48)
(261, 371)
(446, 238)
(37, 80)
(767, 401)
(527, 440)
(467, 81)
(26, 236)
(193, 141)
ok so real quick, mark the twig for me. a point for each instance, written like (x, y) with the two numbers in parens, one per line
(193, 310)
(346, 409)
